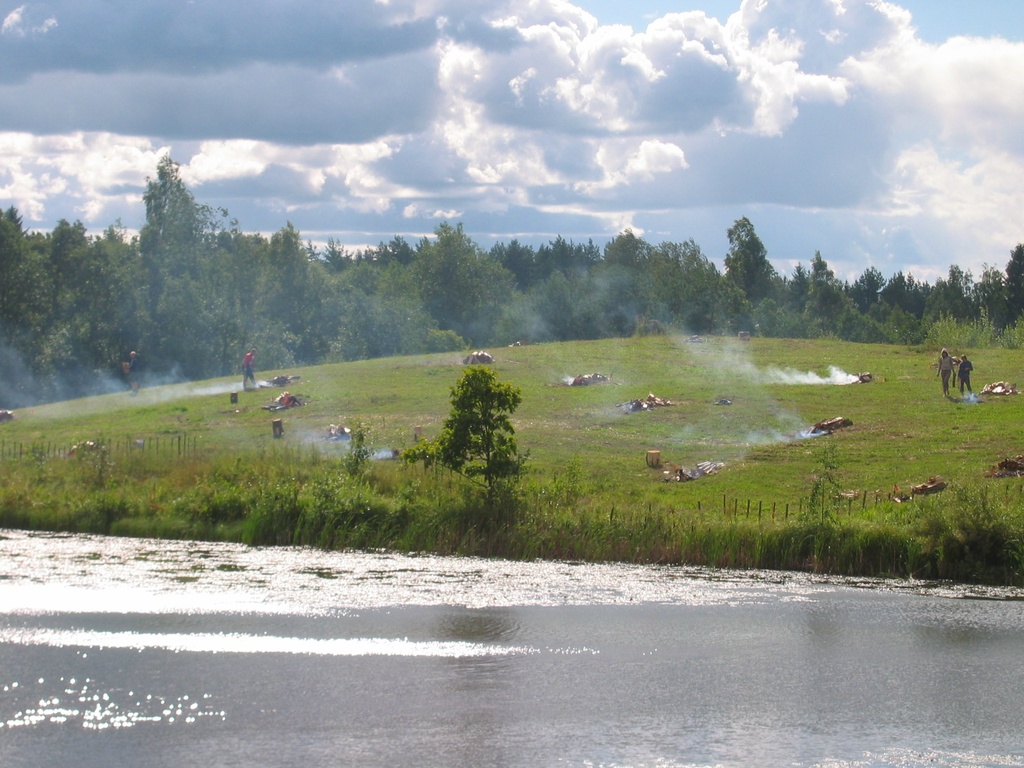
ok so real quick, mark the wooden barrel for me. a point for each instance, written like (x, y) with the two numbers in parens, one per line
(653, 459)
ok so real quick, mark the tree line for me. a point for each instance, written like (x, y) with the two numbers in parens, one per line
(192, 291)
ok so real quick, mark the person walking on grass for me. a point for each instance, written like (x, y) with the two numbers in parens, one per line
(945, 370)
(249, 369)
(964, 373)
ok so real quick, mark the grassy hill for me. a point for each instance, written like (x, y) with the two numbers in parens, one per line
(589, 491)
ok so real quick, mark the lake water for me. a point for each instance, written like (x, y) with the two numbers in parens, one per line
(118, 652)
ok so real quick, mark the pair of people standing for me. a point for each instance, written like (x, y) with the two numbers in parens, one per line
(963, 372)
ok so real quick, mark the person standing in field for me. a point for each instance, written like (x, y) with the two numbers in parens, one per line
(945, 370)
(964, 372)
(133, 372)
(249, 369)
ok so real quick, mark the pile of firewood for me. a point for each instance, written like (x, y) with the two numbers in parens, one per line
(863, 378)
(828, 426)
(999, 388)
(1013, 467)
(587, 379)
(279, 381)
(645, 404)
(685, 474)
(932, 485)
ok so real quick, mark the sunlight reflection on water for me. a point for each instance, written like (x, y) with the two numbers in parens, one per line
(82, 574)
(490, 662)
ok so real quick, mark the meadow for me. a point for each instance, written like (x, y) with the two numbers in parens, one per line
(184, 460)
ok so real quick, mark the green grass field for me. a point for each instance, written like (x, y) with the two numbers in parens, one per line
(168, 441)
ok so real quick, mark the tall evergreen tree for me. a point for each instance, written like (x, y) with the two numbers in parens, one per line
(866, 289)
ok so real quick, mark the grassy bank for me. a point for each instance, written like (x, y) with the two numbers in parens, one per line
(186, 461)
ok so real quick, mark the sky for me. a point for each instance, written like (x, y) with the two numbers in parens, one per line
(878, 134)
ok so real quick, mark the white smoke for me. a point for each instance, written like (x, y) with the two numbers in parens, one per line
(773, 375)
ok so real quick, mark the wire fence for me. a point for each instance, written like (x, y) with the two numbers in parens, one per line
(166, 446)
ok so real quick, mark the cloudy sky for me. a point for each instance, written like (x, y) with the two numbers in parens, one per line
(880, 134)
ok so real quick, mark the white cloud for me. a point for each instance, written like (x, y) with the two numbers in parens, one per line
(12, 22)
(91, 174)
(829, 117)
(15, 24)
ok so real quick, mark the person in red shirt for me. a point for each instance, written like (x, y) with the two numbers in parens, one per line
(249, 368)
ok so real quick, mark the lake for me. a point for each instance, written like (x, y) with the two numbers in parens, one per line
(133, 652)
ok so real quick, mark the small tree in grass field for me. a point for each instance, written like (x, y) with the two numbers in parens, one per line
(477, 440)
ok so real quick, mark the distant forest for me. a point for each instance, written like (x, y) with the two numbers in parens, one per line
(192, 292)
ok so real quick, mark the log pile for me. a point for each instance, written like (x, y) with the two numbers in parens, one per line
(1011, 467)
(931, 485)
(284, 401)
(828, 426)
(646, 404)
(685, 474)
(587, 379)
(338, 432)
(279, 381)
(999, 388)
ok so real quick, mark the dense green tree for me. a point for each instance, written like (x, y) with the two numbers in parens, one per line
(563, 308)
(866, 289)
(901, 327)
(176, 249)
(396, 251)
(1015, 285)
(172, 239)
(567, 257)
(24, 311)
(477, 439)
(461, 287)
(101, 310)
(952, 297)
(289, 297)
(797, 289)
(68, 254)
(770, 319)
(747, 265)
(689, 286)
(22, 277)
(335, 257)
(520, 260)
(825, 296)
(905, 292)
(371, 326)
(990, 295)
(628, 251)
(625, 281)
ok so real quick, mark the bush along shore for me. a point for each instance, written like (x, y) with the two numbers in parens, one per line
(194, 464)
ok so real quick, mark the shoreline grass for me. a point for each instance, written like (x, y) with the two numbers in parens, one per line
(184, 461)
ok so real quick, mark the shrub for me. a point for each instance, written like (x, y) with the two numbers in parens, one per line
(274, 518)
